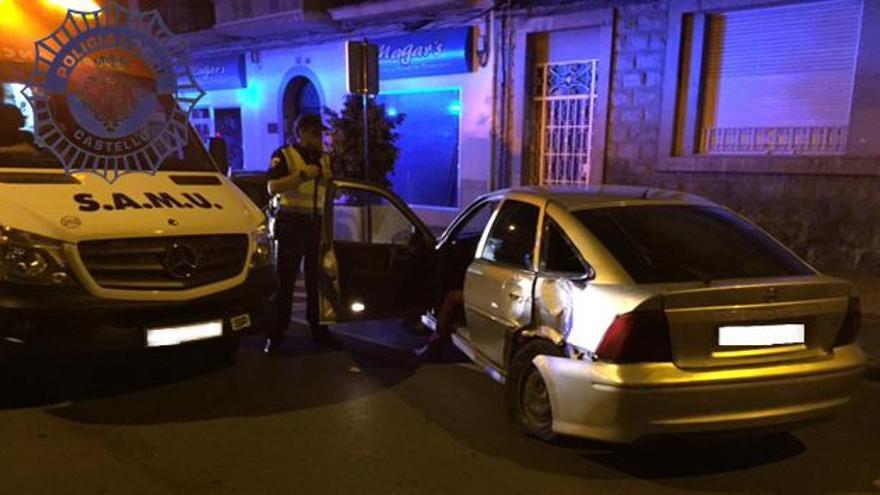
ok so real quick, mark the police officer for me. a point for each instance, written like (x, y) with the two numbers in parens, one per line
(297, 199)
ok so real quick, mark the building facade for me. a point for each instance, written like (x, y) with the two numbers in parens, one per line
(768, 107)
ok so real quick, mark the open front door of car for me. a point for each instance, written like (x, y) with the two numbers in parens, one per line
(377, 257)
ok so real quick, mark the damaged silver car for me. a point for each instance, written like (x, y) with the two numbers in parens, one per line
(614, 313)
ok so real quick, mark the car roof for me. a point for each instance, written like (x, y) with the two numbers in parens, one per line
(573, 198)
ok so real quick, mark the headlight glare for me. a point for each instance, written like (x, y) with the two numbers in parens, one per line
(27, 263)
(28, 258)
(262, 247)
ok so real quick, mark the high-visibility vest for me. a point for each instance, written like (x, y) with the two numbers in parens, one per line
(301, 199)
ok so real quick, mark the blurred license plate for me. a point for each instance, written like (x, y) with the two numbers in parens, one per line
(761, 335)
(158, 337)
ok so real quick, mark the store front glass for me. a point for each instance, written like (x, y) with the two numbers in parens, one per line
(427, 170)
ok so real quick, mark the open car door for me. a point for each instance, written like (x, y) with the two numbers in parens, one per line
(377, 257)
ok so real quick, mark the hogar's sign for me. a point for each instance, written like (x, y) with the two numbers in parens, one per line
(220, 72)
(428, 53)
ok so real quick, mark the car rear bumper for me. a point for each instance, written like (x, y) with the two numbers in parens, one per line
(38, 322)
(623, 403)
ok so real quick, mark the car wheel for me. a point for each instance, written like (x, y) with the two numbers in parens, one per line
(526, 395)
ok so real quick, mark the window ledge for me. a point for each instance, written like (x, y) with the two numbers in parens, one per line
(789, 165)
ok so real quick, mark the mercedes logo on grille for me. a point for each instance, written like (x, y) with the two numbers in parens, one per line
(180, 261)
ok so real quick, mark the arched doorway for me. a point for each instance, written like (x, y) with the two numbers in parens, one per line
(301, 97)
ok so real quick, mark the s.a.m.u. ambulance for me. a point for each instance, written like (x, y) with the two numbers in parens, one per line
(92, 265)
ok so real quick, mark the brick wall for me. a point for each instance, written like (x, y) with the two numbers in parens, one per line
(831, 220)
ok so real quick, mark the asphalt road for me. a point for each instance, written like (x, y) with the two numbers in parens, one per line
(368, 419)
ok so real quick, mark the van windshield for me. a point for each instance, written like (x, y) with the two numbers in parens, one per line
(18, 148)
(683, 243)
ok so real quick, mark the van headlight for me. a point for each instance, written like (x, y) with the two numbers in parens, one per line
(263, 247)
(27, 258)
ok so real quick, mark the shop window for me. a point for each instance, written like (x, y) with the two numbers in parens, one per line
(202, 119)
(225, 123)
(773, 80)
(426, 173)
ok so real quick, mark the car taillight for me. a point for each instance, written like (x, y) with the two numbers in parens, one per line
(850, 328)
(637, 337)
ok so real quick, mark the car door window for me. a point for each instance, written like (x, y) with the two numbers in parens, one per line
(558, 254)
(512, 238)
(366, 217)
(379, 259)
(476, 222)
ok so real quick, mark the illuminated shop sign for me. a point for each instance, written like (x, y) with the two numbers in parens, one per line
(220, 72)
(429, 53)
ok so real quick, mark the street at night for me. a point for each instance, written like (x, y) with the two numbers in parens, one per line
(373, 419)
(439, 246)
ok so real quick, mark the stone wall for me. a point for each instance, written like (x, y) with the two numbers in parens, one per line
(831, 220)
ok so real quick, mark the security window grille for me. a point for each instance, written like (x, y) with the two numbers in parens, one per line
(779, 80)
(564, 99)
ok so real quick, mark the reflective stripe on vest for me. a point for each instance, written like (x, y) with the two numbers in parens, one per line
(302, 197)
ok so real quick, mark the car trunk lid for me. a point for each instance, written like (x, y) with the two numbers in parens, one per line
(755, 309)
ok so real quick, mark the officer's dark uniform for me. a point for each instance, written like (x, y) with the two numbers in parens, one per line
(297, 219)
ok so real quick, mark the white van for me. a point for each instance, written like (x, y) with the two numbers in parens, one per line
(145, 261)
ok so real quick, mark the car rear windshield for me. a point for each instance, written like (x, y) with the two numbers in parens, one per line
(682, 243)
(19, 149)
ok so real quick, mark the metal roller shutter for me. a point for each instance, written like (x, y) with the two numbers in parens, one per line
(780, 79)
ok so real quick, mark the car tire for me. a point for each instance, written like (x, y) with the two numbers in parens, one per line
(525, 393)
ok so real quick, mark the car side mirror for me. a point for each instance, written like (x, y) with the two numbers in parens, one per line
(588, 275)
(219, 153)
(580, 277)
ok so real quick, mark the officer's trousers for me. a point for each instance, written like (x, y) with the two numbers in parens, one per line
(297, 237)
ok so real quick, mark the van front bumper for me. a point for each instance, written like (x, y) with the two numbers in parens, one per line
(63, 321)
(624, 403)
